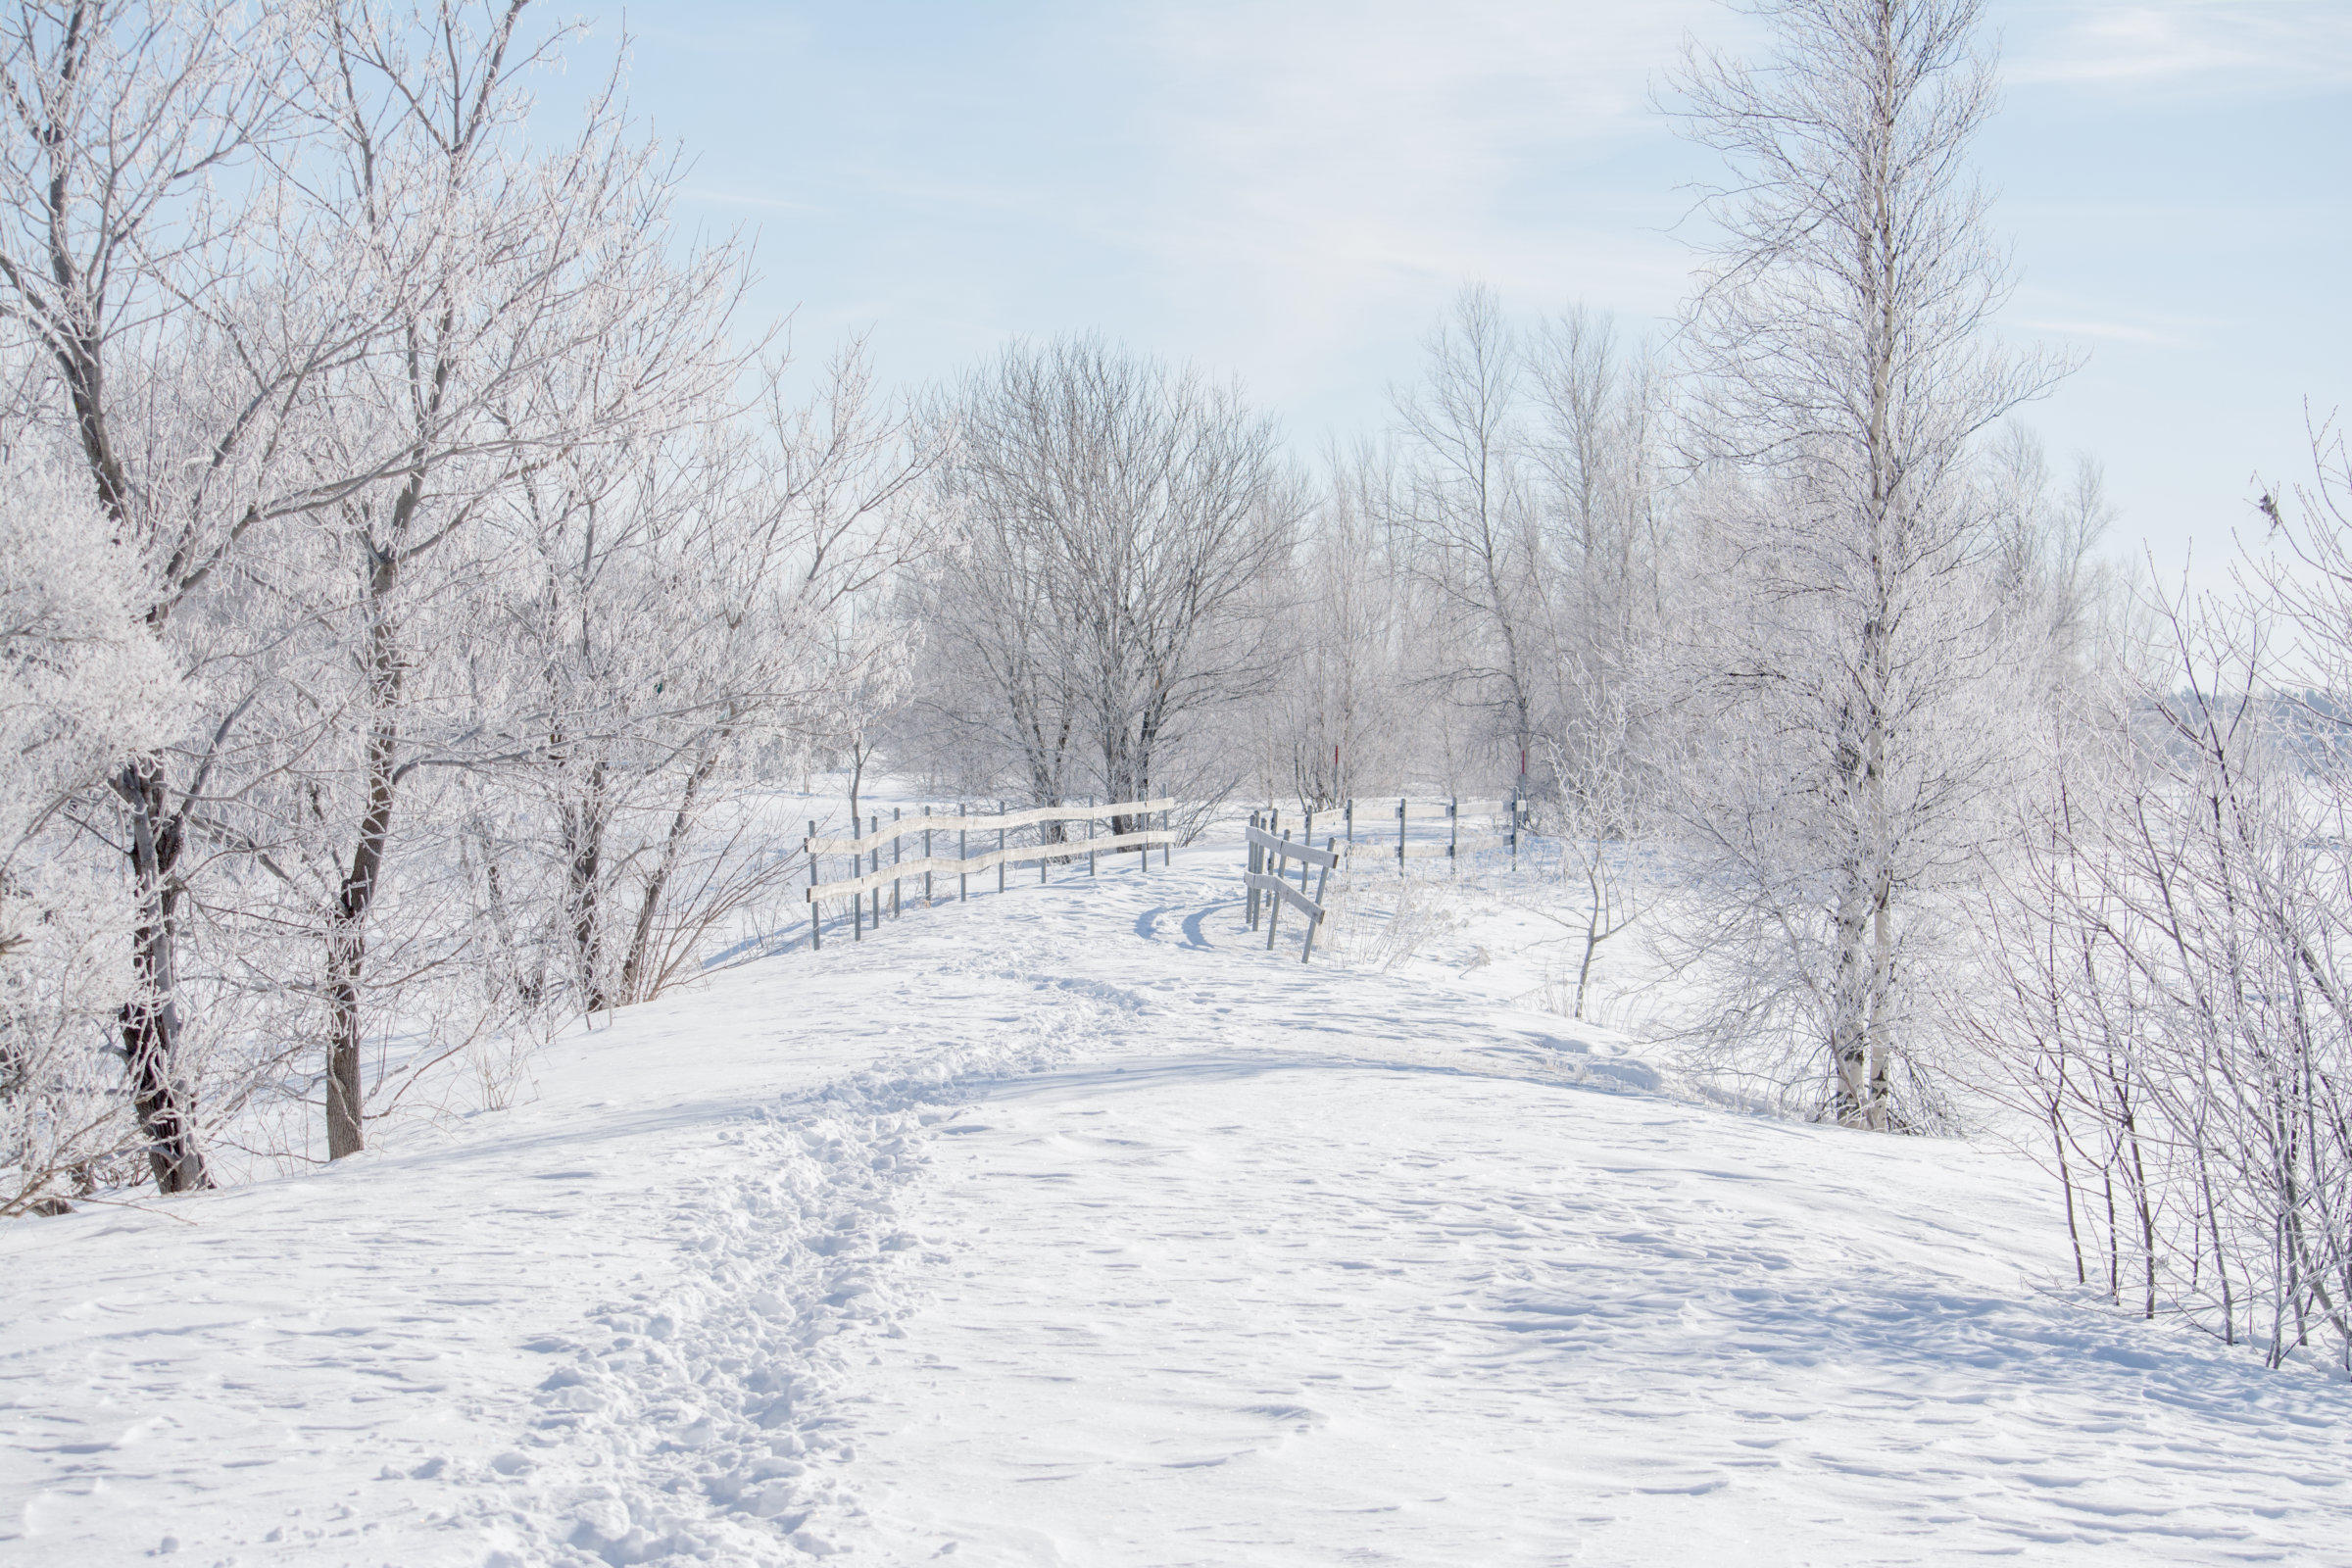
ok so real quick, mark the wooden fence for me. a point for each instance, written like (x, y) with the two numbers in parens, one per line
(1383, 828)
(870, 875)
(1359, 830)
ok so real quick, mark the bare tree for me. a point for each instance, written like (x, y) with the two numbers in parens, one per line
(1602, 820)
(1608, 546)
(1842, 363)
(533, 313)
(1116, 513)
(2170, 1003)
(696, 599)
(134, 195)
(1463, 502)
(1338, 720)
(2044, 543)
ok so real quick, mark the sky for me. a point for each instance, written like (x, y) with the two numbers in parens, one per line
(1292, 192)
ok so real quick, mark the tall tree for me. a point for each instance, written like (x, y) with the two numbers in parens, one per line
(1465, 507)
(82, 684)
(147, 245)
(533, 312)
(1843, 371)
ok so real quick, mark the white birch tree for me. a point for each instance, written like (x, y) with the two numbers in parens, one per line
(1843, 362)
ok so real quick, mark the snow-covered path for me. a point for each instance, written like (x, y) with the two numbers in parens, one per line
(1073, 1227)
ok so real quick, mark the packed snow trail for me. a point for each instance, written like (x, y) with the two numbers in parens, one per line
(1074, 1227)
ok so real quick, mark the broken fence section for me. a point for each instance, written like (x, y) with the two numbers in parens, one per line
(1268, 881)
(1358, 830)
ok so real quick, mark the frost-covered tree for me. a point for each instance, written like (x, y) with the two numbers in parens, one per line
(531, 311)
(686, 609)
(1843, 369)
(355, 366)
(1338, 719)
(82, 684)
(152, 257)
(1463, 504)
(1115, 515)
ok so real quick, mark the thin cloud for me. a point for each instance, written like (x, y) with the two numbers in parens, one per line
(2187, 44)
(2106, 331)
(1336, 170)
(756, 202)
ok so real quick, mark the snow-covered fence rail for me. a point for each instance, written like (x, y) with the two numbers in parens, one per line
(1268, 881)
(870, 874)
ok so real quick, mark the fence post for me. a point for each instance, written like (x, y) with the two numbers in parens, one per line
(1090, 836)
(1000, 851)
(857, 895)
(817, 930)
(1274, 900)
(1400, 835)
(898, 847)
(1041, 861)
(963, 853)
(873, 825)
(1349, 818)
(1250, 864)
(1306, 836)
(926, 858)
(1515, 802)
(1167, 825)
(1453, 833)
(1314, 922)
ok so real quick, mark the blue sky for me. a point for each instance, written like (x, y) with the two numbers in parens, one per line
(1292, 191)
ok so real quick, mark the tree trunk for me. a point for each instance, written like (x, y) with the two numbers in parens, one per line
(1849, 1045)
(584, 828)
(633, 967)
(347, 945)
(347, 921)
(150, 1019)
(355, 901)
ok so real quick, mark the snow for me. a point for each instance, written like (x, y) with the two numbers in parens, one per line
(1073, 1226)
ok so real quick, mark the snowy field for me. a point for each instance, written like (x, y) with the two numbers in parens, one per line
(1073, 1227)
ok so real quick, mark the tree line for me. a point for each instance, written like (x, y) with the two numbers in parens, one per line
(408, 548)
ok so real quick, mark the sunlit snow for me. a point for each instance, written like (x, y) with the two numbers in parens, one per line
(1073, 1226)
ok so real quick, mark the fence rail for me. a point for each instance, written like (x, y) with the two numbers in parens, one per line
(870, 874)
(1009, 821)
(1014, 857)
